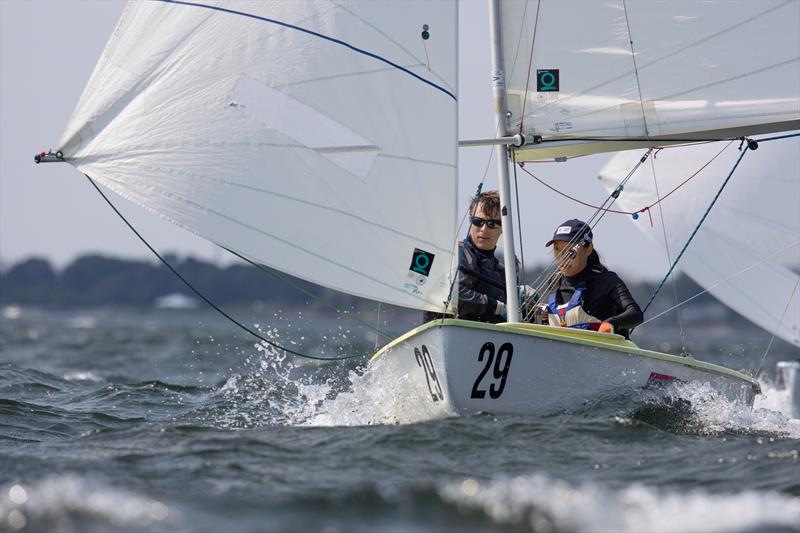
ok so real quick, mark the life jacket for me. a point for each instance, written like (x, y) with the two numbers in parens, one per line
(571, 314)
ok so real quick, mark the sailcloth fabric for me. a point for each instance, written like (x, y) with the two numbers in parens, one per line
(698, 70)
(318, 138)
(747, 252)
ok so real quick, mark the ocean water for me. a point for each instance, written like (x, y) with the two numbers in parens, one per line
(118, 420)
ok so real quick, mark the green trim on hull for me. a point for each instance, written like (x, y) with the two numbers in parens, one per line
(612, 342)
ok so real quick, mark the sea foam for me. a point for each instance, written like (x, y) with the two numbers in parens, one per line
(544, 504)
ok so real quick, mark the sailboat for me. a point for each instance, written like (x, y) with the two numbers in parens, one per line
(321, 139)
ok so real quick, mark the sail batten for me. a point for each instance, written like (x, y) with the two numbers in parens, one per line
(323, 150)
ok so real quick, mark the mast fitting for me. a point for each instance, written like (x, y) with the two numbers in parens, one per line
(49, 157)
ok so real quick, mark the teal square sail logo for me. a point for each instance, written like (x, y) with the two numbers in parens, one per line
(547, 80)
(421, 262)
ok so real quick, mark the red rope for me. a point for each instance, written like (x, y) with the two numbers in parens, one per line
(642, 210)
(571, 197)
(655, 153)
(690, 177)
(530, 64)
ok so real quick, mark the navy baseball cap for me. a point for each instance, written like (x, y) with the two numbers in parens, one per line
(574, 230)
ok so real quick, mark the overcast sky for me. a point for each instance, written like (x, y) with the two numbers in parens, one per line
(49, 49)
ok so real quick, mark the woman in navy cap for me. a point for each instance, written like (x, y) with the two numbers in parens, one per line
(587, 295)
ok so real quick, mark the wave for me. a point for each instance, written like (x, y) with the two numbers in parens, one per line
(72, 503)
(541, 503)
(281, 390)
(696, 408)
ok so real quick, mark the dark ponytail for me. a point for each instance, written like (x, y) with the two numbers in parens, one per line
(594, 259)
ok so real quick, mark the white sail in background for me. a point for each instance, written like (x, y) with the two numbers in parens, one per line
(318, 138)
(747, 252)
(712, 69)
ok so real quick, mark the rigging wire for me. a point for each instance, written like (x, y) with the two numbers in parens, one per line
(209, 302)
(377, 325)
(461, 252)
(489, 159)
(285, 279)
(643, 209)
(547, 280)
(669, 257)
(720, 282)
(519, 217)
(636, 70)
(778, 327)
(700, 223)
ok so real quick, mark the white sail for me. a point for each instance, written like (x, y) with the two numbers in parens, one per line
(747, 252)
(698, 70)
(318, 138)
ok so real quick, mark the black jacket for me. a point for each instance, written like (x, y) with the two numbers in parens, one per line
(481, 283)
(606, 297)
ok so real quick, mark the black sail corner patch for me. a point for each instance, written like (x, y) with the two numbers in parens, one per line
(421, 262)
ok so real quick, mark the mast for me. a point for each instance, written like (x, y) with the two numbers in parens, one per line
(499, 97)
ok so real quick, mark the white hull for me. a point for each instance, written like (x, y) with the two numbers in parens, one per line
(455, 367)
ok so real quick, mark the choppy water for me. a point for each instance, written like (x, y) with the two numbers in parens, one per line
(116, 420)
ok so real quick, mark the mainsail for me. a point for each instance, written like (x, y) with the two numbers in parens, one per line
(319, 138)
(747, 252)
(647, 72)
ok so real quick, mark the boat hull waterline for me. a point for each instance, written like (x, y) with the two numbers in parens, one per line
(455, 367)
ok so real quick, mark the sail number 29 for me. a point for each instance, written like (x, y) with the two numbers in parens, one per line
(424, 360)
(500, 368)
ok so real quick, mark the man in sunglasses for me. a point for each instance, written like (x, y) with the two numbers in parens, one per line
(481, 279)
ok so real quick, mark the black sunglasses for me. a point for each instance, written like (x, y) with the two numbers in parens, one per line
(479, 222)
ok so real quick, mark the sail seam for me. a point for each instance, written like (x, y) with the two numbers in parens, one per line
(262, 232)
(673, 53)
(205, 299)
(315, 34)
(287, 197)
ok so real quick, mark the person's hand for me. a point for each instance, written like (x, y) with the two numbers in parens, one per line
(527, 295)
(606, 327)
(501, 310)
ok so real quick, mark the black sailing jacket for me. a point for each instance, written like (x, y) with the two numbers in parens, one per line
(606, 297)
(481, 283)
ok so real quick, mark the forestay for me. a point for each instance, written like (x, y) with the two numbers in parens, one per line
(747, 252)
(318, 138)
(706, 70)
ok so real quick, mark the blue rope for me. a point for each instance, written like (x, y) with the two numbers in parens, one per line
(685, 246)
(674, 263)
(315, 34)
(778, 137)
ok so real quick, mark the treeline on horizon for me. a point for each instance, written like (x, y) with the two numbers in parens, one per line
(97, 280)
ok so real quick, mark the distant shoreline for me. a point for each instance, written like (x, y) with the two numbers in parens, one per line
(95, 280)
